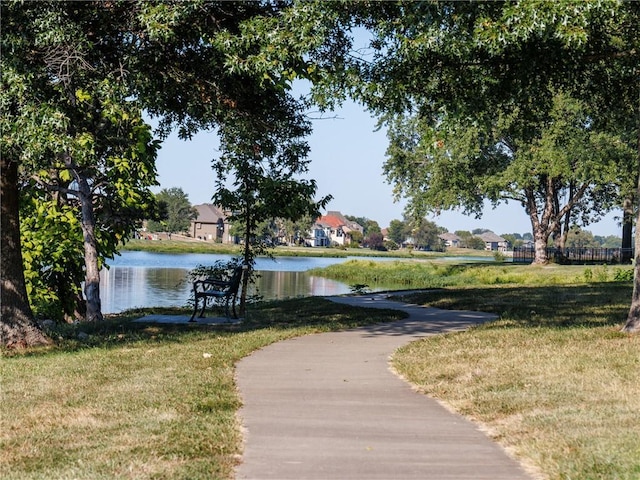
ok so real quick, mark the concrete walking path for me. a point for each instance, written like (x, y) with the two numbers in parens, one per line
(328, 407)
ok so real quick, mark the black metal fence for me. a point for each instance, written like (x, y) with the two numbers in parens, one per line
(577, 256)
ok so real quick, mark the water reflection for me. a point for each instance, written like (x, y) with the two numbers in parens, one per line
(123, 287)
(278, 285)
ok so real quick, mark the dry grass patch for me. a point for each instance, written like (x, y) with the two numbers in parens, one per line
(553, 380)
(136, 401)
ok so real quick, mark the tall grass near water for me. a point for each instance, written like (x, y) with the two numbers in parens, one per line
(421, 274)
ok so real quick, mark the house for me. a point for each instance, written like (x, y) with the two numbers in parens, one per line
(494, 242)
(211, 224)
(332, 229)
(450, 239)
(317, 236)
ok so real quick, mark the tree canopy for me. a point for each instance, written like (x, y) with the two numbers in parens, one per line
(532, 102)
(76, 77)
(176, 211)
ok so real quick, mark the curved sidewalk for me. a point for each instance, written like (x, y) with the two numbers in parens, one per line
(327, 407)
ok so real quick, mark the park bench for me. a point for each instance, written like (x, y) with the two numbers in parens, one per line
(212, 288)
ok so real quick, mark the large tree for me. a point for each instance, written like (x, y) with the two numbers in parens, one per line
(69, 68)
(556, 167)
(95, 153)
(469, 67)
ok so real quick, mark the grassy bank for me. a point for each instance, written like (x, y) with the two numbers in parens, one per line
(181, 246)
(431, 273)
(135, 401)
(553, 379)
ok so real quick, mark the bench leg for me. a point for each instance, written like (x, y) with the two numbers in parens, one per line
(204, 306)
(195, 309)
(233, 305)
(226, 307)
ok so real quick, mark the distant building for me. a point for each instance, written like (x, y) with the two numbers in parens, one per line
(211, 224)
(494, 242)
(450, 239)
(332, 229)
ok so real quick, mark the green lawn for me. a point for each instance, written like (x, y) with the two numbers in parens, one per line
(193, 246)
(138, 401)
(553, 379)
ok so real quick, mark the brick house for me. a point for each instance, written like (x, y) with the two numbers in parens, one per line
(211, 224)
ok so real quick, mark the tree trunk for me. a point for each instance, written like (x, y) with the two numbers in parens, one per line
(17, 325)
(539, 228)
(540, 247)
(248, 261)
(92, 270)
(627, 230)
(633, 318)
(567, 220)
(557, 235)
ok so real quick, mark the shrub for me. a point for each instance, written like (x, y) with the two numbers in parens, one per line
(623, 275)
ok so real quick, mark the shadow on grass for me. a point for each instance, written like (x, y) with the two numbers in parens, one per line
(312, 313)
(556, 306)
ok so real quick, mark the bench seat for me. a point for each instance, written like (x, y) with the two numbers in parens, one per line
(208, 288)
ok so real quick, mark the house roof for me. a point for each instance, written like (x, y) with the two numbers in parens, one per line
(491, 237)
(330, 221)
(452, 237)
(335, 219)
(208, 213)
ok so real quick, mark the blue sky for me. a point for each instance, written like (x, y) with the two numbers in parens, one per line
(346, 161)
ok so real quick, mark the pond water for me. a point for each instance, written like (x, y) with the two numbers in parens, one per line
(145, 279)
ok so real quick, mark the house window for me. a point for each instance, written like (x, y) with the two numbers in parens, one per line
(198, 226)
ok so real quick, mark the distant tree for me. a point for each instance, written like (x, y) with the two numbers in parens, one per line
(528, 236)
(425, 233)
(476, 243)
(368, 225)
(579, 238)
(294, 231)
(374, 241)
(465, 237)
(357, 238)
(610, 241)
(479, 231)
(179, 211)
(372, 227)
(512, 239)
(396, 231)
(391, 245)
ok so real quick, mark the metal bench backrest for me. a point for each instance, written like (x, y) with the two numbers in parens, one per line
(234, 281)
